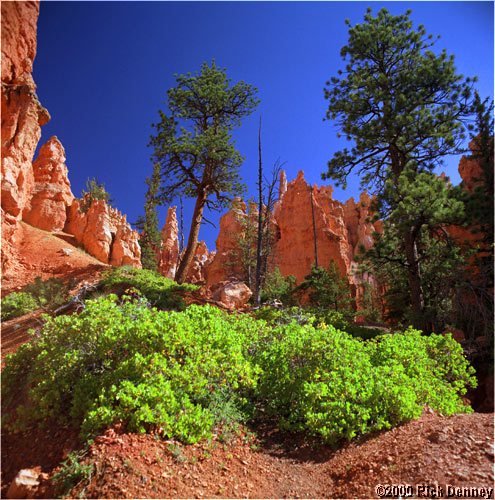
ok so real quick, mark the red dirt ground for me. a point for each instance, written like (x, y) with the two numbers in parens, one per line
(432, 451)
(52, 261)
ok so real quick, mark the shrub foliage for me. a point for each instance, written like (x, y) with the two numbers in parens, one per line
(181, 374)
(159, 291)
(16, 304)
(40, 294)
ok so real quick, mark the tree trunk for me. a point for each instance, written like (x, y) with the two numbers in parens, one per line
(414, 276)
(192, 241)
(314, 227)
(259, 242)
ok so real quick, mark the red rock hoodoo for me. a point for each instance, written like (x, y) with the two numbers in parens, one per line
(169, 252)
(224, 264)
(39, 193)
(104, 233)
(302, 212)
(47, 208)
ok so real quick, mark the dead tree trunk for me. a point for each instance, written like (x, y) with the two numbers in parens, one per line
(259, 242)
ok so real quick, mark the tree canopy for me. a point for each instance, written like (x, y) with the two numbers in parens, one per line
(403, 108)
(193, 144)
(399, 102)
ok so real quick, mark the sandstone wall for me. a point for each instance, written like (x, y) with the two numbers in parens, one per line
(22, 113)
(39, 193)
(341, 229)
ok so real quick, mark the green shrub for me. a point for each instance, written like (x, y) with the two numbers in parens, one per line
(94, 191)
(161, 292)
(121, 361)
(41, 294)
(434, 365)
(182, 374)
(278, 287)
(16, 304)
(49, 293)
(326, 382)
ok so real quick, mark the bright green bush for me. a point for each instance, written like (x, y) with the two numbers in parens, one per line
(302, 316)
(184, 373)
(434, 365)
(40, 294)
(336, 386)
(161, 292)
(121, 361)
(16, 304)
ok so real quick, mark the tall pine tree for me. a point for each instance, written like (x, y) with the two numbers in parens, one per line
(194, 146)
(148, 225)
(402, 106)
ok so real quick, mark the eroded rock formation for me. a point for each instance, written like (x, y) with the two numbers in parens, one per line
(22, 113)
(309, 227)
(47, 207)
(104, 233)
(202, 259)
(224, 264)
(39, 193)
(169, 252)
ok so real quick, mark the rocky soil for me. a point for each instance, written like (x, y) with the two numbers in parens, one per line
(424, 455)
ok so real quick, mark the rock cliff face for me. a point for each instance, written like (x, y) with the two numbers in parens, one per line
(224, 264)
(202, 259)
(47, 208)
(22, 113)
(104, 233)
(303, 214)
(39, 193)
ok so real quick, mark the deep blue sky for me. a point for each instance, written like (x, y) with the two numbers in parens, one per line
(103, 68)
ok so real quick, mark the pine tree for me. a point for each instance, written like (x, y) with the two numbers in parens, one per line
(403, 107)
(194, 146)
(328, 289)
(428, 204)
(475, 307)
(480, 203)
(150, 234)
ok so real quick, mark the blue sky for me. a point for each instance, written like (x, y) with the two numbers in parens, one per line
(103, 69)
